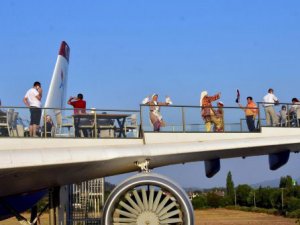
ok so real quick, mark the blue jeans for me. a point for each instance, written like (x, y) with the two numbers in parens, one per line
(250, 123)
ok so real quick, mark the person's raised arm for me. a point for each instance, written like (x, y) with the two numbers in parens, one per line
(242, 107)
(70, 100)
(40, 91)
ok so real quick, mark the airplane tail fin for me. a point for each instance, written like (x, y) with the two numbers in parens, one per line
(56, 97)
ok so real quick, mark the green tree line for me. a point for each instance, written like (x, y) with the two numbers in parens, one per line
(283, 200)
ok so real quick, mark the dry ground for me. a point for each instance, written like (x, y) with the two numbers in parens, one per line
(233, 217)
(212, 217)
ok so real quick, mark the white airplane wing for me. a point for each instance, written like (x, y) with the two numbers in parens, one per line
(33, 164)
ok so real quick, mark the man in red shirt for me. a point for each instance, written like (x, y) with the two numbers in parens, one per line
(79, 108)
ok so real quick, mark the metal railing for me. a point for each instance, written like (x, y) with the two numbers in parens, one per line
(288, 118)
(93, 123)
(123, 123)
(184, 118)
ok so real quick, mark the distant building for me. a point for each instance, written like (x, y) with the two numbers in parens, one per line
(193, 195)
(220, 193)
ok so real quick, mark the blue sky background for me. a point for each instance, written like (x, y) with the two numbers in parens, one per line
(122, 51)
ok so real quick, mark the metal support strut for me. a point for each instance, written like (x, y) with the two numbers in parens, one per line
(21, 219)
(53, 205)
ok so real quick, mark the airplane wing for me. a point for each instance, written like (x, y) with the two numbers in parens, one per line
(33, 164)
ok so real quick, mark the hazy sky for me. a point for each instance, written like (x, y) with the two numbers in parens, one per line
(122, 51)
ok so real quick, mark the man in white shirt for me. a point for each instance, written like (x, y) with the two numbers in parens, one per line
(32, 100)
(269, 100)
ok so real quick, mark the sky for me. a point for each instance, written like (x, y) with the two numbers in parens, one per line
(125, 50)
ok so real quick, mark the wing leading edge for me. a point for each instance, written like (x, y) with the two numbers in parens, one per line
(67, 162)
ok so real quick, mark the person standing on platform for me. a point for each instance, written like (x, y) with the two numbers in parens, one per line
(207, 112)
(250, 112)
(155, 115)
(79, 108)
(294, 112)
(220, 117)
(282, 116)
(269, 101)
(32, 100)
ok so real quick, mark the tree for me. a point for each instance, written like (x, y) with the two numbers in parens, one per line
(213, 200)
(226, 201)
(268, 197)
(230, 188)
(286, 182)
(276, 199)
(242, 194)
(199, 202)
(293, 204)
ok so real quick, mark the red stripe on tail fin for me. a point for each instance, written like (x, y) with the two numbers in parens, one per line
(64, 50)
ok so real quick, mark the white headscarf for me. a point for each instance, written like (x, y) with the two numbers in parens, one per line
(203, 93)
(154, 95)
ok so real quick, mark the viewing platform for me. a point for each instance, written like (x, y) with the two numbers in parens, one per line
(114, 124)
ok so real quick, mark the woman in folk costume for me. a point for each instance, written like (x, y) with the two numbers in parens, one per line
(208, 114)
(220, 117)
(155, 115)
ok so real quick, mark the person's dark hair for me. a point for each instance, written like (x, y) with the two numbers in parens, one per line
(270, 90)
(80, 96)
(283, 107)
(249, 97)
(36, 84)
(295, 100)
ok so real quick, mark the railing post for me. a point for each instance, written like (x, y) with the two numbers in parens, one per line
(141, 118)
(95, 123)
(141, 131)
(45, 124)
(241, 125)
(258, 117)
(288, 116)
(183, 119)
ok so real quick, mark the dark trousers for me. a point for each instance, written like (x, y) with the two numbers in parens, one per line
(35, 115)
(77, 130)
(250, 123)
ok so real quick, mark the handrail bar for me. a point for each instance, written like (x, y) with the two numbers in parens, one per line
(94, 109)
(194, 106)
(141, 105)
